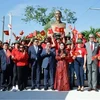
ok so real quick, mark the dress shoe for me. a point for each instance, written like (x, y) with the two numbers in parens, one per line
(45, 88)
(96, 90)
(25, 88)
(39, 88)
(90, 89)
(3, 89)
(82, 89)
(52, 88)
(78, 89)
(9, 88)
(32, 88)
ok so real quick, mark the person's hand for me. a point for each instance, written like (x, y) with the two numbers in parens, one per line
(63, 35)
(84, 66)
(13, 57)
(48, 51)
(31, 40)
(63, 55)
(73, 57)
(50, 35)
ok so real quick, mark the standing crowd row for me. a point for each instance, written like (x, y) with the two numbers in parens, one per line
(56, 58)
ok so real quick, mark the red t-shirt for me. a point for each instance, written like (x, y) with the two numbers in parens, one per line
(81, 51)
(21, 60)
(99, 60)
(70, 59)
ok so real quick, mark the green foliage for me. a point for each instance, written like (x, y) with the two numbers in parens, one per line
(44, 15)
(92, 30)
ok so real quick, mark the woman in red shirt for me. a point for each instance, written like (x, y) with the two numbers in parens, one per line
(80, 64)
(21, 58)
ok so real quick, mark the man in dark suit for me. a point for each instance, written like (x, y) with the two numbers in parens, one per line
(5, 62)
(0, 62)
(92, 49)
(48, 64)
(35, 60)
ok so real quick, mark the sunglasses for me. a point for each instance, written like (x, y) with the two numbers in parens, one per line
(91, 37)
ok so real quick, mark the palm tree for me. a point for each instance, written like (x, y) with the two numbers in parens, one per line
(91, 31)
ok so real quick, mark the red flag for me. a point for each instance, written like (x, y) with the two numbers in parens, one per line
(17, 37)
(22, 32)
(50, 31)
(6, 32)
(42, 33)
(34, 33)
(98, 34)
(61, 30)
(30, 35)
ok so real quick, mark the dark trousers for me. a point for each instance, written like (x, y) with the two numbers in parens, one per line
(15, 75)
(78, 64)
(6, 77)
(35, 75)
(71, 74)
(22, 77)
(9, 75)
(48, 72)
(3, 79)
(98, 77)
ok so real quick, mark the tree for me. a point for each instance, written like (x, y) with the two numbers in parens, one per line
(44, 16)
(92, 30)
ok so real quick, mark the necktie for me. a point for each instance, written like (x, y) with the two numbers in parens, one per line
(92, 46)
(7, 57)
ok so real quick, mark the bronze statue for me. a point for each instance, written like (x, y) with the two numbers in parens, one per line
(58, 27)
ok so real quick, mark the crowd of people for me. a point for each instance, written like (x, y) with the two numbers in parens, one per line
(57, 59)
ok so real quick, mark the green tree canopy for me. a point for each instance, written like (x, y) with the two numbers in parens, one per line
(91, 31)
(44, 15)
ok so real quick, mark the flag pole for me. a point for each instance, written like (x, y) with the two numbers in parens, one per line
(10, 28)
(3, 23)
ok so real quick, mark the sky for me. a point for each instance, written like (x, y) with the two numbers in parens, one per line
(86, 18)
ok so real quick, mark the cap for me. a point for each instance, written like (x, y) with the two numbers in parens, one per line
(69, 42)
(67, 36)
(17, 42)
(79, 41)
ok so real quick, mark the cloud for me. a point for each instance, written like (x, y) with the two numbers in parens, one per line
(18, 10)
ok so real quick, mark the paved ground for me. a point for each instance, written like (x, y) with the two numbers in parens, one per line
(49, 95)
(33, 95)
(76, 95)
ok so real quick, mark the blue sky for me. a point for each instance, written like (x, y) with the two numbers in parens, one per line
(86, 18)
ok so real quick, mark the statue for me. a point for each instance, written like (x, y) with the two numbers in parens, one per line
(58, 27)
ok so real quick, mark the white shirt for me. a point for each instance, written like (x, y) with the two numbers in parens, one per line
(36, 48)
(7, 58)
(92, 44)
